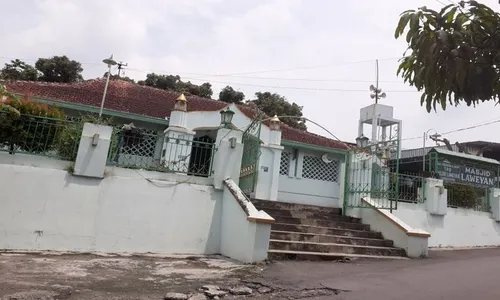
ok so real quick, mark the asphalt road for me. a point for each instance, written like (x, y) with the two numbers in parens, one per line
(454, 275)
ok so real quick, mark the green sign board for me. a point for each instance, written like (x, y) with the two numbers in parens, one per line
(467, 175)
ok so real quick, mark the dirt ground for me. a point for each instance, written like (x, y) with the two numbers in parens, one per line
(445, 275)
(66, 276)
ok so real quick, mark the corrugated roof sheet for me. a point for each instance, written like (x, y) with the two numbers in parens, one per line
(467, 156)
(419, 152)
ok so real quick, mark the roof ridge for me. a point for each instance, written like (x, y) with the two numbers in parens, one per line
(45, 83)
(135, 84)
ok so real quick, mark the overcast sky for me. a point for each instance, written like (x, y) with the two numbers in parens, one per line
(318, 53)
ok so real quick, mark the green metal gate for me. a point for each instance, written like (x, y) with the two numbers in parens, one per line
(372, 173)
(251, 154)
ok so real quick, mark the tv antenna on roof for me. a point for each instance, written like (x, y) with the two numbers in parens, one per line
(121, 66)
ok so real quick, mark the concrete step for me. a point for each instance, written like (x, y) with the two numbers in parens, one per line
(318, 256)
(334, 248)
(274, 212)
(324, 238)
(326, 230)
(322, 223)
(263, 204)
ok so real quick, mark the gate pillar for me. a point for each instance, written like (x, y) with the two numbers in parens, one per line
(227, 158)
(266, 187)
(269, 168)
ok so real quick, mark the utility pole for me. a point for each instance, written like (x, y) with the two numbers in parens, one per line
(121, 66)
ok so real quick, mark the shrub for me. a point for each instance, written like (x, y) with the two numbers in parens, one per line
(69, 137)
(465, 196)
(28, 126)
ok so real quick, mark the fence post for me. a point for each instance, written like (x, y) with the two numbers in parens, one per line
(437, 197)
(494, 197)
(93, 150)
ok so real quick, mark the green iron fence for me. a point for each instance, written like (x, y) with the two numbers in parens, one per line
(56, 138)
(145, 149)
(250, 157)
(365, 177)
(410, 188)
(467, 196)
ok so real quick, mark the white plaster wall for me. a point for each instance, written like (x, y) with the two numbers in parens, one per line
(309, 192)
(204, 119)
(268, 173)
(227, 160)
(241, 239)
(293, 188)
(237, 234)
(384, 222)
(389, 230)
(48, 209)
(458, 228)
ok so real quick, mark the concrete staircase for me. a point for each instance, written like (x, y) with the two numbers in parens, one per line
(306, 232)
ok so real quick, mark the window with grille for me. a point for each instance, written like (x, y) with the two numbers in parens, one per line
(314, 168)
(285, 163)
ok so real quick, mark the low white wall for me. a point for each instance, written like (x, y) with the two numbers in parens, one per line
(245, 232)
(412, 239)
(458, 228)
(49, 209)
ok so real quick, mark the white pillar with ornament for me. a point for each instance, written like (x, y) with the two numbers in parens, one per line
(227, 158)
(269, 164)
(178, 140)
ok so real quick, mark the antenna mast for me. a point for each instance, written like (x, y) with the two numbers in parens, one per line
(121, 66)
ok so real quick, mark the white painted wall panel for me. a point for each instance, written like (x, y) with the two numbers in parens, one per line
(294, 188)
(458, 228)
(48, 209)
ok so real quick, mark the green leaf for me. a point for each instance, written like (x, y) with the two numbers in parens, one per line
(428, 101)
(422, 99)
(450, 15)
(446, 8)
(403, 21)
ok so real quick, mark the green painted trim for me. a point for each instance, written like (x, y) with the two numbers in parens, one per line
(347, 164)
(313, 147)
(93, 109)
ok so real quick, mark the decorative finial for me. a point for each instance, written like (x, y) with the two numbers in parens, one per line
(274, 123)
(275, 119)
(181, 103)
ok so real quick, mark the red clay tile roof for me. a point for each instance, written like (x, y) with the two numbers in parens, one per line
(143, 100)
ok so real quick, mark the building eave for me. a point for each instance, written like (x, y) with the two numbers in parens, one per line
(313, 147)
(93, 109)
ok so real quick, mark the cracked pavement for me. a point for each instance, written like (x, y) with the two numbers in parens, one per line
(453, 275)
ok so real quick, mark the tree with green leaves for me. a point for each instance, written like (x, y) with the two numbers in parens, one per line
(117, 77)
(19, 70)
(174, 83)
(453, 55)
(274, 104)
(204, 90)
(229, 95)
(59, 69)
(164, 82)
